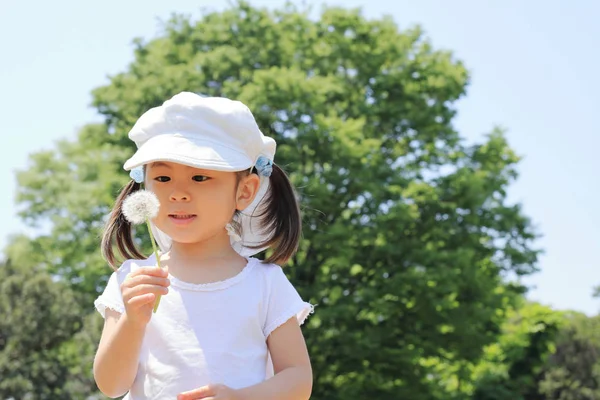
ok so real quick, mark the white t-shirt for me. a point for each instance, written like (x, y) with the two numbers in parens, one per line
(209, 333)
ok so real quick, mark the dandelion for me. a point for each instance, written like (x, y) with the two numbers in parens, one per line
(140, 207)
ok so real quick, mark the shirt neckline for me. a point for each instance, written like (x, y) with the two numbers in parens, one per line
(217, 285)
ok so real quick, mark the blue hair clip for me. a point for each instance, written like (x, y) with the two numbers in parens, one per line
(264, 166)
(137, 174)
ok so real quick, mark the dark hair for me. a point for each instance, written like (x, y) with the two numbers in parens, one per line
(118, 229)
(281, 216)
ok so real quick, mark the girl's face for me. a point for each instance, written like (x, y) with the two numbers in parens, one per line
(195, 204)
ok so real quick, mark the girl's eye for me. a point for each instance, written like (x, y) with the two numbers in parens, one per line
(200, 178)
(162, 178)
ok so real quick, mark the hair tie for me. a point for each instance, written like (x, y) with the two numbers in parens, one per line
(264, 166)
(137, 174)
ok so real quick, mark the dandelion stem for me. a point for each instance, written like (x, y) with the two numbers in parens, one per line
(156, 256)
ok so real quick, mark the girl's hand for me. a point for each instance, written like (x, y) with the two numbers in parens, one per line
(139, 291)
(210, 392)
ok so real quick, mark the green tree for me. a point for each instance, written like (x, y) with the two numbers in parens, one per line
(573, 371)
(77, 355)
(408, 238)
(513, 367)
(39, 316)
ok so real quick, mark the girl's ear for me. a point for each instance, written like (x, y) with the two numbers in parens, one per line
(246, 191)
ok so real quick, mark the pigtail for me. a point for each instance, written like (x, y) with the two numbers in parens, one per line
(282, 217)
(118, 229)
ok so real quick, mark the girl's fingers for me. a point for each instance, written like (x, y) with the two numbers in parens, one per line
(139, 301)
(146, 288)
(147, 280)
(205, 392)
(143, 290)
(137, 280)
(153, 271)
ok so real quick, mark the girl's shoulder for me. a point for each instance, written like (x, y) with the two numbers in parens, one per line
(266, 270)
(272, 274)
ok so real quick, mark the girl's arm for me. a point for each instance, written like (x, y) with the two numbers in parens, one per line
(291, 363)
(116, 361)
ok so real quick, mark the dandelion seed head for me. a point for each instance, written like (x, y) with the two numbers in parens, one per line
(140, 205)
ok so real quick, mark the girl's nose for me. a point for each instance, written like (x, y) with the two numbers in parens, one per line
(179, 195)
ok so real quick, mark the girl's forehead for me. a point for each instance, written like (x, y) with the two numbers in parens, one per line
(164, 164)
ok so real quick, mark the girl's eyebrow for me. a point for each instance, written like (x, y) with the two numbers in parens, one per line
(161, 164)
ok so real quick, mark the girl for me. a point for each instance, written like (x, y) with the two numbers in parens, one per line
(227, 325)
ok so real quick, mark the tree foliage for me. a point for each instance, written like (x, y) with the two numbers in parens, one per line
(39, 317)
(513, 367)
(573, 370)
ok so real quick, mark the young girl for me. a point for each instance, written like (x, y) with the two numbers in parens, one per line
(227, 325)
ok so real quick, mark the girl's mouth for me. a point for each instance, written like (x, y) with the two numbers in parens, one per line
(182, 219)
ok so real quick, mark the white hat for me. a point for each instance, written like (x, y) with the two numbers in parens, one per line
(213, 133)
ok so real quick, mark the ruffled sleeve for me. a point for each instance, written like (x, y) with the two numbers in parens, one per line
(111, 296)
(282, 301)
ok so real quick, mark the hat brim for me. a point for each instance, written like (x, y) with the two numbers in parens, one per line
(183, 150)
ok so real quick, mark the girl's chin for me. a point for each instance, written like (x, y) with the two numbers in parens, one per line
(191, 233)
(179, 236)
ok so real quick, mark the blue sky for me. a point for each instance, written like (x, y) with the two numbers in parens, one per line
(534, 72)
